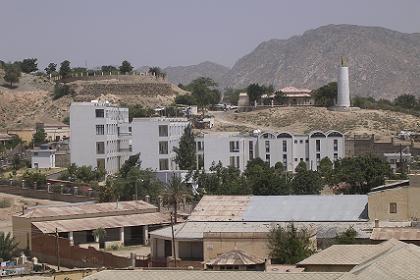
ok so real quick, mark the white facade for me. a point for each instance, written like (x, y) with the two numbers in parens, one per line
(43, 158)
(235, 149)
(343, 88)
(155, 139)
(100, 135)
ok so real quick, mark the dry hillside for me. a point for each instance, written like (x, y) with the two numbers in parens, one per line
(32, 101)
(305, 119)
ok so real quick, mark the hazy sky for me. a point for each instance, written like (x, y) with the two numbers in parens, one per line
(176, 32)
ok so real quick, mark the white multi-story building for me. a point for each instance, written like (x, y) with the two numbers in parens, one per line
(235, 149)
(100, 135)
(155, 138)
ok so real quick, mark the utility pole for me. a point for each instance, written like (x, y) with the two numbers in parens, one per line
(173, 239)
(58, 249)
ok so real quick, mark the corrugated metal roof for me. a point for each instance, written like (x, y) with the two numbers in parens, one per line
(298, 208)
(209, 275)
(353, 254)
(235, 257)
(86, 209)
(406, 234)
(102, 222)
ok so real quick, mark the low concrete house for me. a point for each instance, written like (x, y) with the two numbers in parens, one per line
(43, 157)
(126, 223)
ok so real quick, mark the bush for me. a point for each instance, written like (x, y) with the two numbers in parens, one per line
(34, 177)
(185, 100)
(5, 203)
(61, 90)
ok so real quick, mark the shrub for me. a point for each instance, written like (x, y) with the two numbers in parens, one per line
(5, 203)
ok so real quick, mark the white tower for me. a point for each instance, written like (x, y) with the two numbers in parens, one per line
(343, 94)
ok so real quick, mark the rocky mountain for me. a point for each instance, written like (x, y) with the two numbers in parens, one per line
(383, 63)
(185, 74)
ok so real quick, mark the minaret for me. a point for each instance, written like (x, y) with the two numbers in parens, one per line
(343, 94)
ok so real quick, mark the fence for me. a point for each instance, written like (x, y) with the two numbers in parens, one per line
(58, 191)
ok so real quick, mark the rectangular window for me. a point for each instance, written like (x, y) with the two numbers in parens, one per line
(100, 148)
(335, 145)
(251, 150)
(163, 131)
(318, 145)
(163, 147)
(285, 161)
(234, 146)
(267, 146)
(284, 146)
(163, 164)
(232, 161)
(130, 129)
(393, 208)
(200, 159)
(200, 146)
(335, 156)
(267, 158)
(100, 129)
(36, 154)
(99, 113)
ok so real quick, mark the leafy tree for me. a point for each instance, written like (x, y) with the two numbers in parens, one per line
(325, 96)
(174, 193)
(231, 95)
(289, 245)
(185, 153)
(306, 181)
(362, 173)
(34, 177)
(126, 67)
(204, 92)
(138, 111)
(100, 235)
(109, 68)
(280, 97)
(7, 246)
(265, 180)
(65, 69)
(132, 161)
(84, 174)
(12, 74)
(51, 68)
(66, 120)
(255, 91)
(326, 171)
(156, 71)
(29, 65)
(39, 137)
(222, 181)
(61, 90)
(185, 99)
(407, 101)
(347, 237)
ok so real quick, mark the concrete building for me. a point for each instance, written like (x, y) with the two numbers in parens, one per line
(55, 131)
(44, 157)
(297, 96)
(100, 135)
(236, 149)
(126, 223)
(155, 139)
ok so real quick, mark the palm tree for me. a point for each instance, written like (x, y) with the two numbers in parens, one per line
(175, 191)
(100, 234)
(7, 245)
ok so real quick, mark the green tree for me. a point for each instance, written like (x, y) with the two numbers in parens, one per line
(50, 69)
(289, 245)
(185, 153)
(265, 180)
(156, 71)
(255, 91)
(39, 137)
(347, 237)
(325, 96)
(138, 111)
(100, 235)
(406, 101)
(326, 170)
(174, 193)
(8, 246)
(362, 173)
(12, 74)
(204, 92)
(231, 95)
(34, 177)
(306, 181)
(65, 69)
(280, 97)
(126, 67)
(108, 68)
(29, 65)
(185, 99)
(132, 161)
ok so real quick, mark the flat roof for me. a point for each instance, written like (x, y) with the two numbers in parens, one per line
(84, 209)
(210, 275)
(102, 222)
(404, 233)
(291, 208)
